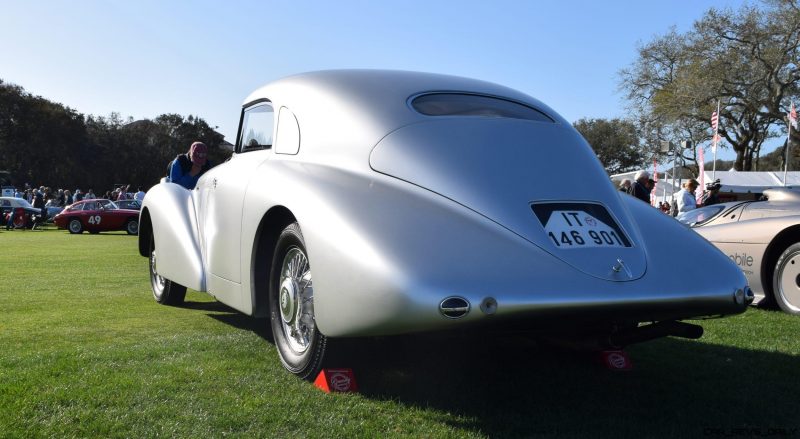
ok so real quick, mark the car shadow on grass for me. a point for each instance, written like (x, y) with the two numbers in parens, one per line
(232, 317)
(511, 386)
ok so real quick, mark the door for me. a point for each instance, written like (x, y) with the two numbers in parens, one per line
(225, 187)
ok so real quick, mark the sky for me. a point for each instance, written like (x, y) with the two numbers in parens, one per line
(144, 58)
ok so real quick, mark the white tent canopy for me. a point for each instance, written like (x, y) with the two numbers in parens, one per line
(753, 182)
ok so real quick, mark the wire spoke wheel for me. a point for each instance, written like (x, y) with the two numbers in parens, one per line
(300, 344)
(296, 300)
(164, 290)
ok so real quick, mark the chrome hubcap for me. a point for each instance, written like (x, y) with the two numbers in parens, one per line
(74, 226)
(158, 281)
(789, 284)
(288, 300)
(296, 300)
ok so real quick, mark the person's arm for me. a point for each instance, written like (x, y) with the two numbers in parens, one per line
(176, 175)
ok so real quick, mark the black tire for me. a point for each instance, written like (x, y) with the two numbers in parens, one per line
(786, 280)
(75, 226)
(301, 346)
(165, 291)
(132, 227)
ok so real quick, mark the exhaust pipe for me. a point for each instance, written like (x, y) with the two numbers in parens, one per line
(654, 331)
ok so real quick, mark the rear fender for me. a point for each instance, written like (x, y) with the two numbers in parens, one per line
(171, 210)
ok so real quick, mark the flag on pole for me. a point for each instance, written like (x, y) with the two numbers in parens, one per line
(701, 175)
(655, 173)
(793, 117)
(715, 129)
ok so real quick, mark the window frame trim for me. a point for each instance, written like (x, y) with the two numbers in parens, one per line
(246, 107)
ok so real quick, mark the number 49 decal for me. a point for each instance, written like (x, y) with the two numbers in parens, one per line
(94, 219)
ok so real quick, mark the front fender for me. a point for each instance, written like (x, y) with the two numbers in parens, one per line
(171, 209)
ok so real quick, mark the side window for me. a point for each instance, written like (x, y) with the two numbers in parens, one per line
(256, 128)
(287, 139)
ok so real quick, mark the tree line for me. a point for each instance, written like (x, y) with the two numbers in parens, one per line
(747, 61)
(47, 143)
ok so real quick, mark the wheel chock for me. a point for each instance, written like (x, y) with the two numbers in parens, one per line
(617, 360)
(336, 380)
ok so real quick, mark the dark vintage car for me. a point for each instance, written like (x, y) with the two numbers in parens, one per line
(96, 216)
(18, 205)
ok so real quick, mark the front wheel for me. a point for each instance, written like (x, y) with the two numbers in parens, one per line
(786, 280)
(291, 298)
(75, 226)
(132, 227)
(165, 291)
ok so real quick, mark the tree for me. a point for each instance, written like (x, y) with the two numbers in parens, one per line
(38, 137)
(46, 143)
(616, 143)
(746, 59)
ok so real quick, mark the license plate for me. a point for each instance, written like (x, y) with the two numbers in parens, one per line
(579, 225)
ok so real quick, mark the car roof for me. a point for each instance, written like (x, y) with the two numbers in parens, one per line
(351, 110)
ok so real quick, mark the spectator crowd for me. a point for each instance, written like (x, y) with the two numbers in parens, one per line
(48, 197)
(682, 201)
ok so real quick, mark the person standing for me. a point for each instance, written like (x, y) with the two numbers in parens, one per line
(712, 195)
(639, 187)
(187, 168)
(685, 197)
(139, 196)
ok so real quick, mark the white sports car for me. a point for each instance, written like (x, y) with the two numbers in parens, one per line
(364, 203)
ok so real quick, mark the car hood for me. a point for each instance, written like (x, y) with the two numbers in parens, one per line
(513, 172)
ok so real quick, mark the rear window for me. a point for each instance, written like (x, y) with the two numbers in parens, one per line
(461, 104)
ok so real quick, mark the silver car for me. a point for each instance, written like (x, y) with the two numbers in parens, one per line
(365, 203)
(762, 238)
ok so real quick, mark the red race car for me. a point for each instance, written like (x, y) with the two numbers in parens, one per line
(97, 216)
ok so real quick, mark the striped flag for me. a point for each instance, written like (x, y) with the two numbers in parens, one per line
(793, 116)
(655, 173)
(715, 129)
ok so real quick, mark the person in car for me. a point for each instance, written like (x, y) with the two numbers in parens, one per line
(187, 168)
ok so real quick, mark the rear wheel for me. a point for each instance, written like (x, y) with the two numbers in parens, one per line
(291, 298)
(786, 280)
(132, 227)
(75, 226)
(165, 291)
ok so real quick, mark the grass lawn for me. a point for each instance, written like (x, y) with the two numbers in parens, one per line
(86, 352)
